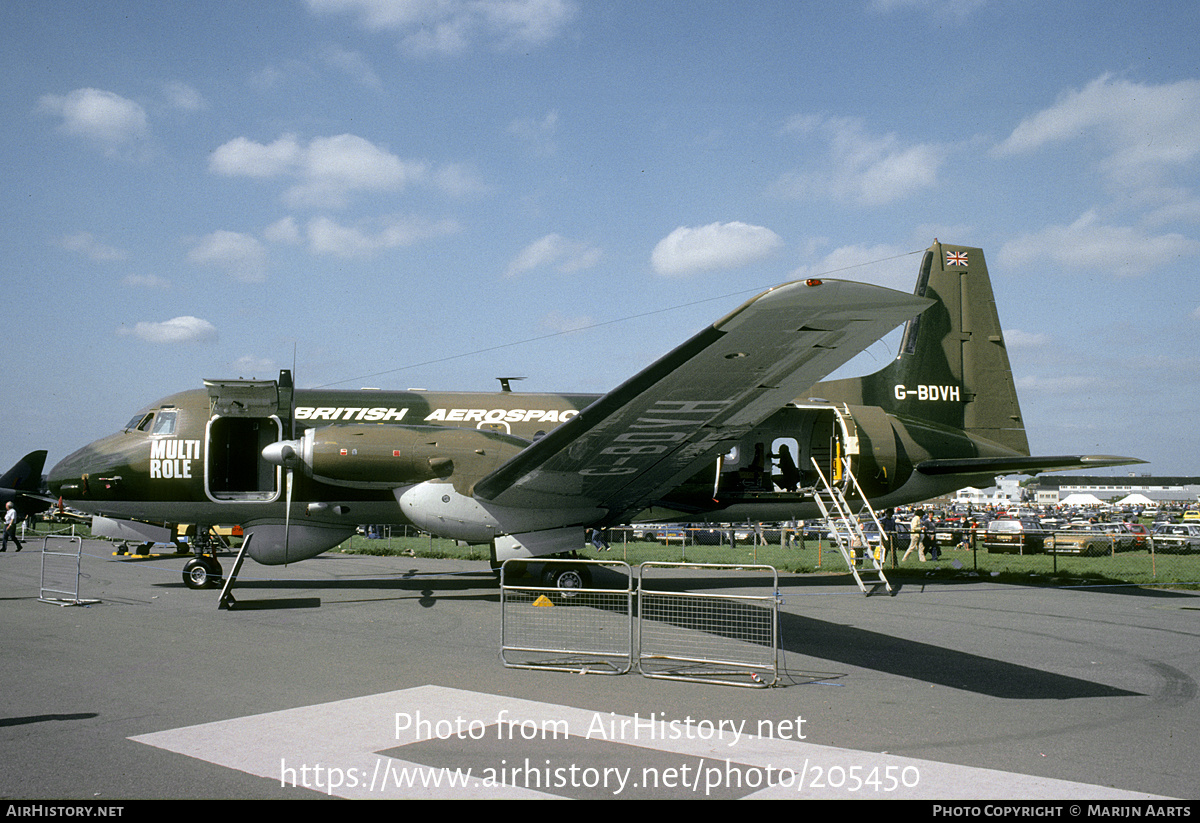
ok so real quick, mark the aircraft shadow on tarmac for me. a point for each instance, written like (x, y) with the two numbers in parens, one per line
(932, 664)
(44, 718)
(926, 662)
(479, 586)
(799, 635)
(866, 649)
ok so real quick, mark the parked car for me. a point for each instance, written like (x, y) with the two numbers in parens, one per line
(1019, 536)
(1177, 538)
(950, 532)
(1090, 539)
(1143, 540)
(709, 536)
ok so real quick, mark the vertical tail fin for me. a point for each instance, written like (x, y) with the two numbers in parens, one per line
(26, 475)
(952, 368)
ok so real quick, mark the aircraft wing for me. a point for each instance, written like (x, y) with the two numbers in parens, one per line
(1022, 465)
(662, 425)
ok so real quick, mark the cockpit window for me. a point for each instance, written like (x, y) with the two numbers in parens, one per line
(165, 424)
(140, 422)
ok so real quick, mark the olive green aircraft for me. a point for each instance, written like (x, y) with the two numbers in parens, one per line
(732, 426)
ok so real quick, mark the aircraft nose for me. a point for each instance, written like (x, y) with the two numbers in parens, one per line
(65, 479)
(77, 474)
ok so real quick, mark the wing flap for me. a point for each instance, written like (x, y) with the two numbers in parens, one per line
(664, 423)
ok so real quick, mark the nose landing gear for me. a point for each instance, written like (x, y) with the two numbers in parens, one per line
(201, 573)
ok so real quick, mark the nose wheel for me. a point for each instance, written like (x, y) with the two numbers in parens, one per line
(201, 573)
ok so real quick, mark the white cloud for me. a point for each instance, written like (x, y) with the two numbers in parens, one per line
(1145, 128)
(251, 367)
(715, 246)
(334, 166)
(242, 157)
(330, 169)
(86, 244)
(283, 231)
(557, 251)
(448, 27)
(177, 330)
(861, 168)
(458, 180)
(371, 237)
(183, 97)
(353, 64)
(101, 116)
(1017, 339)
(1089, 244)
(242, 256)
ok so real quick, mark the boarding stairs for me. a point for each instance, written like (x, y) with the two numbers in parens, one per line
(847, 531)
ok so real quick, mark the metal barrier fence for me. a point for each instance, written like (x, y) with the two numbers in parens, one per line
(727, 639)
(61, 572)
(679, 634)
(582, 629)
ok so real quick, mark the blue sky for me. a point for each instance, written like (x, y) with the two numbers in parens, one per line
(397, 191)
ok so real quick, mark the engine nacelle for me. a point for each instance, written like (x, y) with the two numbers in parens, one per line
(438, 508)
(375, 456)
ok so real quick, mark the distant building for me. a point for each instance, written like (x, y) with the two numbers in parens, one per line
(1050, 489)
(1007, 490)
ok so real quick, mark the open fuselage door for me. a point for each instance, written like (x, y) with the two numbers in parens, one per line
(245, 416)
(778, 457)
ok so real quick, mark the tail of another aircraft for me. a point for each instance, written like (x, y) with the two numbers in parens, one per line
(953, 367)
(26, 475)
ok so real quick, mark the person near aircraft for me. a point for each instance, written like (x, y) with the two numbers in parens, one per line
(789, 475)
(914, 542)
(10, 527)
(753, 477)
(887, 536)
(928, 538)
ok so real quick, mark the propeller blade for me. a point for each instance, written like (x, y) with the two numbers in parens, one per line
(287, 514)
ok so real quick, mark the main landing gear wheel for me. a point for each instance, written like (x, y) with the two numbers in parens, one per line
(566, 579)
(201, 573)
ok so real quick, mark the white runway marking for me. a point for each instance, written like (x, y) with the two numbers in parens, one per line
(435, 742)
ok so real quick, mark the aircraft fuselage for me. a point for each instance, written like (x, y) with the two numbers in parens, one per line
(179, 461)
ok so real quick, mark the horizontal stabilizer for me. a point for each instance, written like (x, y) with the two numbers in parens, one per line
(1018, 464)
